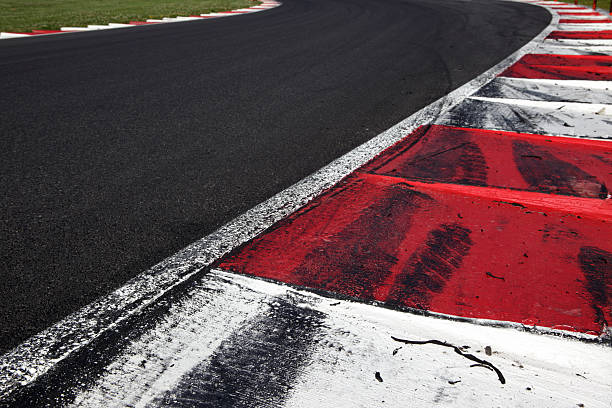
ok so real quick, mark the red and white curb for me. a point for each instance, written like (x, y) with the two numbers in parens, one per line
(265, 5)
(486, 212)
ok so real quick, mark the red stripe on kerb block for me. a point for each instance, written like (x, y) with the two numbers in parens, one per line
(583, 21)
(568, 60)
(48, 31)
(581, 35)
(477, 157)
(548, 66)
(458, 252)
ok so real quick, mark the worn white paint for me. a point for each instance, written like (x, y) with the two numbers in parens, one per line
(585, 27)
(594, 18)
(496, 115)
(578, 43)
(572, 107)
(550, 48)
(354, 344)
(584, 92)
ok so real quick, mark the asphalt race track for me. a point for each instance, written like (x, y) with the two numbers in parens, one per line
(120, 147)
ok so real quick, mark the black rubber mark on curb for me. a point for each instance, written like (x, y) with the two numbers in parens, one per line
(480, 363)
(358, 259)
(256, 366)
(431, 266)
(596, 264)
(495, 277)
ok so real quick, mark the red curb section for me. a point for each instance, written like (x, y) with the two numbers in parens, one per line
(545, 66)
(583, 21)
(449, 242)
(551, 165)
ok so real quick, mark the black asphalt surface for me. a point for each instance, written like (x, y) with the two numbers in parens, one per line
(121, 147)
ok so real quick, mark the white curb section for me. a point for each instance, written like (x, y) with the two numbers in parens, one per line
(352, 343)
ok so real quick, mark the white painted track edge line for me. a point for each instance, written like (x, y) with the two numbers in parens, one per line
(31, 359)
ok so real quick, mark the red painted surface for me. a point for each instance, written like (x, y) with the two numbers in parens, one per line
(48, 31)
(547, 66)
(445, 248)
(582, 21)
(426, 225)
(581, 35)
(544, 164)
(568, 60)
(141, 22)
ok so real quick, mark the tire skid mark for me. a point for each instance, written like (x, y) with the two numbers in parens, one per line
(597, 268)
(360, 257)
(503, 159)
(256, 366)
(547, 173)
(477, 114)
(431, 266)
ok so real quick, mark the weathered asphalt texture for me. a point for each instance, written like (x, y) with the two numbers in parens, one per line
(120, 147)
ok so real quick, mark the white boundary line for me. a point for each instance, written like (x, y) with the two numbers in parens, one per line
(33, 358)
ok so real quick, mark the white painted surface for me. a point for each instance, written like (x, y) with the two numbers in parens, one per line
(578, 43)
(599, 92)
(584, 10)
(591, 108)
(575, 50)
(76, 29)
(474, 113)
(6, 35)
(355, 343)
(585, 27)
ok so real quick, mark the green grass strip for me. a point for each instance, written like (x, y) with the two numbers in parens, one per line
(27, 15)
